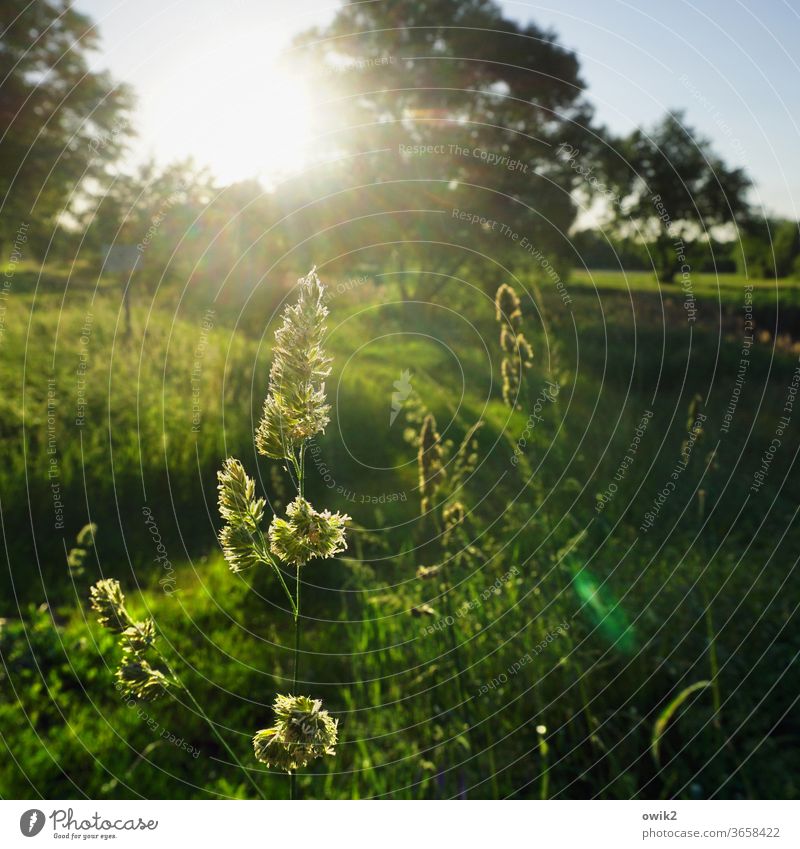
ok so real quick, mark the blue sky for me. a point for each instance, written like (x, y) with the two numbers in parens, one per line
(731, 65)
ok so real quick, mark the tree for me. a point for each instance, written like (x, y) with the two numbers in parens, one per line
(675, 189)
(150, 206)
(430, 109)
(61, 124)
(768, 247)
(178, 226)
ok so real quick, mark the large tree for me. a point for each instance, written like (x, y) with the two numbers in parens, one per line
(674, 189)
(60, 122)
(430, 107)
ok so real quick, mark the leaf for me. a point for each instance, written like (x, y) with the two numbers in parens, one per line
(667, 714)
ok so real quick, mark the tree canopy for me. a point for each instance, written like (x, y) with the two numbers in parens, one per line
(674, 187)
(61, 123)
(433, 109)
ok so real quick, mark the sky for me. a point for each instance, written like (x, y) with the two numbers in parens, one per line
(730, 65)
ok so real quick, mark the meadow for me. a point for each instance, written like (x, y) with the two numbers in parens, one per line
(558, 658)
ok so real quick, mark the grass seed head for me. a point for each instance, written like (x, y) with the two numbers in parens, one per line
(306, 534)
(429, 460)
(138, 679)
(108, 602)
(508, 306)
(85, 538)
(303, 732)
(237, 496)
(453, 515)
(295, 407)
(241, 538)
(517, 351)
(139, 636)
(510, 375)
(240, 547)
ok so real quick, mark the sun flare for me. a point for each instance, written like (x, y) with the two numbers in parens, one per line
(261, 129)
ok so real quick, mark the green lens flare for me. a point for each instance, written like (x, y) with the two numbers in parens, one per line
(604, 611)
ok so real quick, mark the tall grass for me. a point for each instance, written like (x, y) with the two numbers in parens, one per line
(438, 713)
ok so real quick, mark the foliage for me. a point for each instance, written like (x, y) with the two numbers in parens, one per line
(440, 108)
(673, 188)
(364, 646)
(295, 411)
(768, 248)
(61, 123)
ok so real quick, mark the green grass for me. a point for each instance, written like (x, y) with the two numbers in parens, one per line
(639, 633)
(704, 284)
(726, 289)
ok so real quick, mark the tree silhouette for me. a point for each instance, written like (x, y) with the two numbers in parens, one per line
(675, 188)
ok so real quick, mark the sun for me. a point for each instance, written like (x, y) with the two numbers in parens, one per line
(261, 128)
(235, 109)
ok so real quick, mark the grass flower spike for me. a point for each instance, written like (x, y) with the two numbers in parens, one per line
(135, 676)
(140, 636)
(295, 409)
(237, 496)
(138, 679)
(517, 352)
(306, 534)
(453, 514)
(108, 602)
(508, 306)
(240, 548)
(241, 538)
(429, 460)
(84, 543)
(302, 733)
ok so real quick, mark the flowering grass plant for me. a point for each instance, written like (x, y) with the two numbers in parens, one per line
(295, 410)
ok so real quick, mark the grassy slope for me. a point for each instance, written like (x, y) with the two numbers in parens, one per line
(637, 630)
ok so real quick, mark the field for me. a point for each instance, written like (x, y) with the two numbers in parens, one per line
(549, 661)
